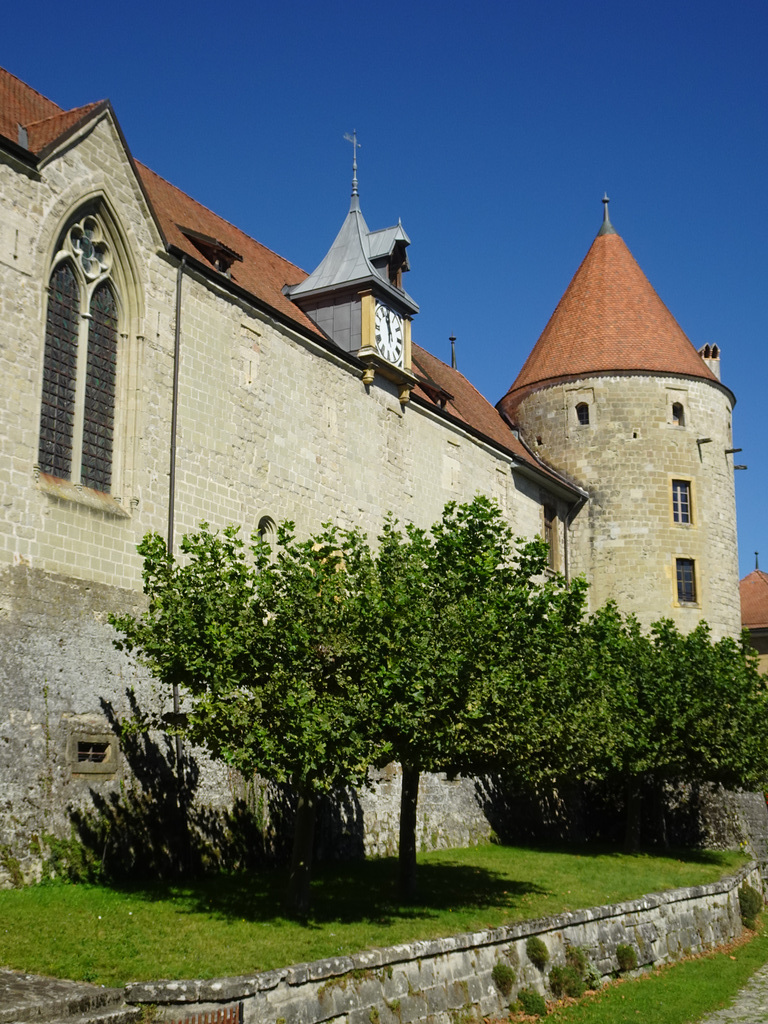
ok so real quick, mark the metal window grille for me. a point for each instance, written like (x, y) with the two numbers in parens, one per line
(57, 414)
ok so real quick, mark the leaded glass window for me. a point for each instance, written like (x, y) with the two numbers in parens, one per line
(57, 417)
(99, 405)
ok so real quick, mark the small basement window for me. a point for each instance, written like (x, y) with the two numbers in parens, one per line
(93, 753)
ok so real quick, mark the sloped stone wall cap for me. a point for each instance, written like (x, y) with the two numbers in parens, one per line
(367, 960)
(230, 989)
(331, 968)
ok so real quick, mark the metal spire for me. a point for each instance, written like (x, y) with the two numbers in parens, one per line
(452, 340)
(355, 146)
(607, 228)
(757, 563)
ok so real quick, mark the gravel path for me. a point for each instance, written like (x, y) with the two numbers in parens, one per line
(750, 1006)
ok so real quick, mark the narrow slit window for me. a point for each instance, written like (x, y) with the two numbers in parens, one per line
(582, 414)
(678, 414)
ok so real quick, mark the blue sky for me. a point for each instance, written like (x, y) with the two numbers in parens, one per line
(492, 130)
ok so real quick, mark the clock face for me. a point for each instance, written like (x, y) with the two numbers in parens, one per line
(389, 334)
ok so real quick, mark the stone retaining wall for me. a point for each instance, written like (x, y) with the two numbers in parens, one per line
(442, 980)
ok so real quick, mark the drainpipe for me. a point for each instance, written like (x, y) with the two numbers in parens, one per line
(172, 473)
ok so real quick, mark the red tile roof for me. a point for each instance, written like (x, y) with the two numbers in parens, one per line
(754, 600)
(609, 320)
(465, 403)
(261, 273)
(42, 133)
(21, 105)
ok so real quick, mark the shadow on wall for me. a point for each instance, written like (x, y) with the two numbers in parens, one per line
(155, 825)
(673, 815)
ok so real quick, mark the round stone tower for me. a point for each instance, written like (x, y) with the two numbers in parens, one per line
(615, 397)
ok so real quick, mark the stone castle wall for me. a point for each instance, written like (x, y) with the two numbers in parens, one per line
(625, 540)
(270, 425)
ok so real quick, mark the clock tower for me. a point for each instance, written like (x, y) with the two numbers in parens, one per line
(356, 296)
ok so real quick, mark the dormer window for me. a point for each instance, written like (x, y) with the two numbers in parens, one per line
(219, 255)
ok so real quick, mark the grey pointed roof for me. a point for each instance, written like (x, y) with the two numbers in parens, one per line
(348, 263)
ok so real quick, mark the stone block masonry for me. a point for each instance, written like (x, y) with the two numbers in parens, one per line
(435, 981)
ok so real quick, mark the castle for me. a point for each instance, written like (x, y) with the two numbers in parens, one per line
(160, 368)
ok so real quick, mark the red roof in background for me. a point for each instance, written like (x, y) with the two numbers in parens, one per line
(754, 600)
(610, 319)
(261, 273)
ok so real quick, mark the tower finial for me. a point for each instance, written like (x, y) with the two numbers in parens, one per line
(452, 340)
(607, 228)
(757, 560)
(355, 146)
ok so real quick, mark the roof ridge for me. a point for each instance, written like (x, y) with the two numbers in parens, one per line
(218, 216)
(62, 113)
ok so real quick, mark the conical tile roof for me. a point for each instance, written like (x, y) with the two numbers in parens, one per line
(609, 320)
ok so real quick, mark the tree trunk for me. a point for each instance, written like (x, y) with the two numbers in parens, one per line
(634, 798)
(409, 798)
(301, 857)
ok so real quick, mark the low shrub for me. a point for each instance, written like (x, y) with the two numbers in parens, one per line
(592, 977)
(537, 952)
(577, 958)
(531, 1002)
(750, 905)
(626, 956)
(565, 980)
(504, 977)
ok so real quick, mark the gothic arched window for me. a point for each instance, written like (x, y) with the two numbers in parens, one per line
(80, 362)
(57, 415)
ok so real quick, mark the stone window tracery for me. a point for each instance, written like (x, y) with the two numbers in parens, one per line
(80, 361)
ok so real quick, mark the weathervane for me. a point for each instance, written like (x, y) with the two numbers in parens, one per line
(355, 146)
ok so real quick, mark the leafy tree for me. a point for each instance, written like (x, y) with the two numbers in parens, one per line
(468, 621)
(669, 706)
(270, 655)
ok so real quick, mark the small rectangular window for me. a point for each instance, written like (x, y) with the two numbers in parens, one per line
(550, 534)
(686, 581)
(681, 501)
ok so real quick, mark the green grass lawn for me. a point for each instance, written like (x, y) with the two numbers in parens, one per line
(228, 925)
(676, 994)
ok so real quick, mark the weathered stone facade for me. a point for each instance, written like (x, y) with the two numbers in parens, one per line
(626, 540)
